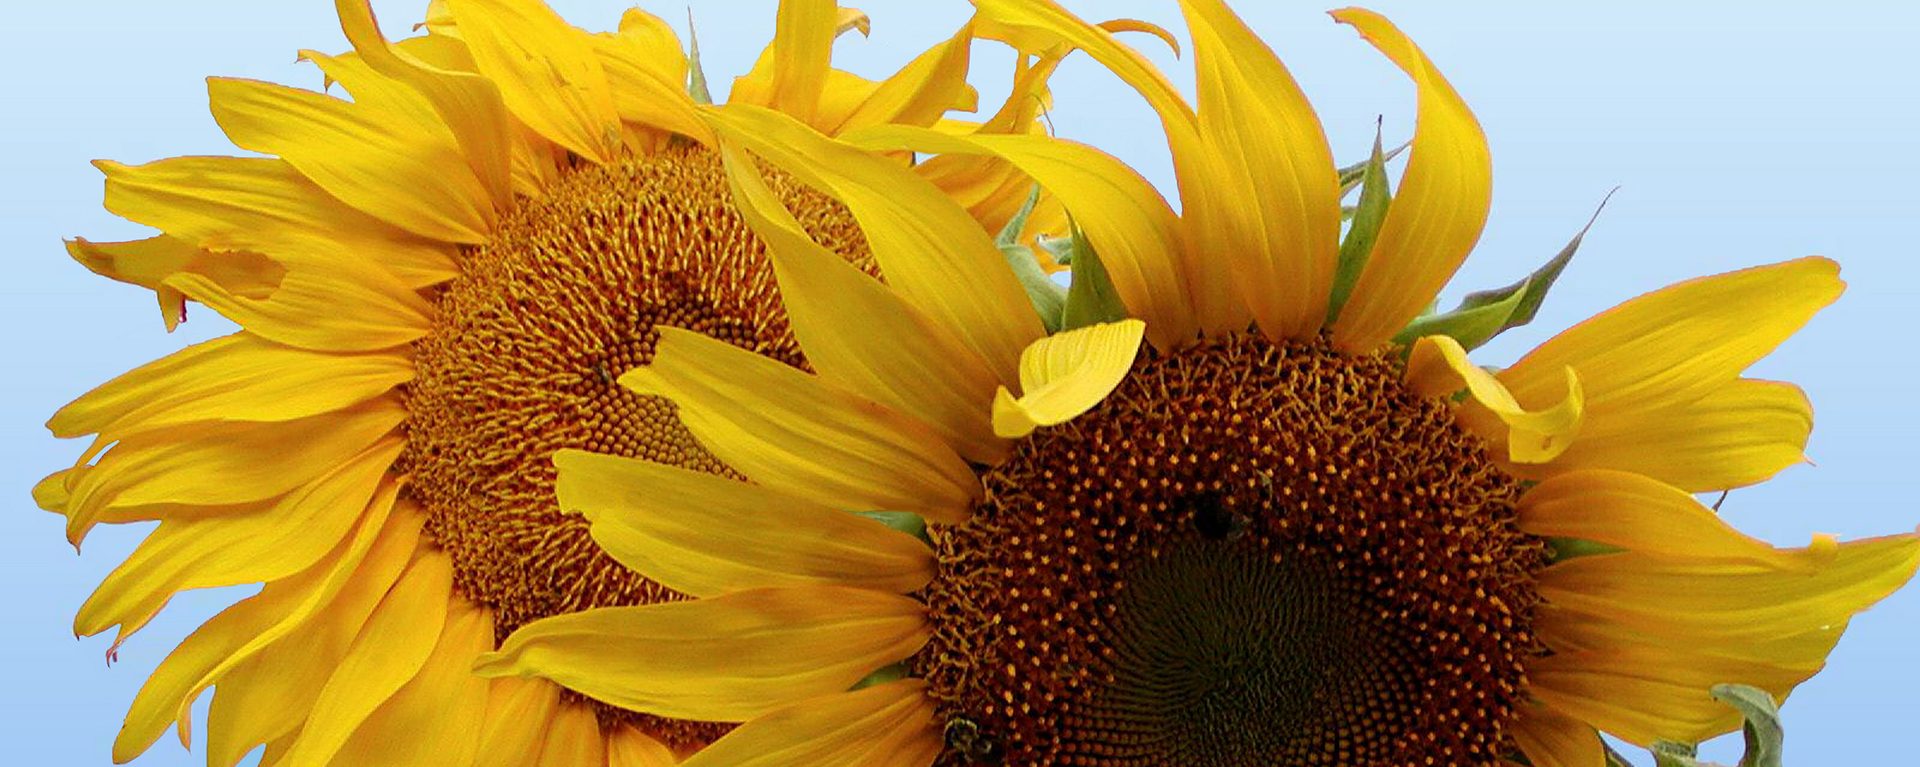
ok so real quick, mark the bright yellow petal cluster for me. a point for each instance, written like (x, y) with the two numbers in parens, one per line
(1618, 419)
(269, 455)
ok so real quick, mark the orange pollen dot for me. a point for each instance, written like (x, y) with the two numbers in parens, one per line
(524, 357)
(1250, 554)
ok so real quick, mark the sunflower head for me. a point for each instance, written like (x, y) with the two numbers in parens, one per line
(441, 262)
(1234, 499)
(1248, 553)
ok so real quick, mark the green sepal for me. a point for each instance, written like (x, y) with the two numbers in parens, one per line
(1352, 175)
(1564, 549)
(1049, 298)
(1488, 313)
(885, 674)
(1667, 753)
(1471, 327)
(1765, 739)
(1091, 298)
(1060, 249)
(1010, 233)
(1614, 758)
(696, 77)
(904, 521)
(1368, 215)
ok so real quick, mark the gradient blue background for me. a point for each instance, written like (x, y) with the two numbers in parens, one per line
(1739, 133)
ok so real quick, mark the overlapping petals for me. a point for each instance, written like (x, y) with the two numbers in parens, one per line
(269, 455)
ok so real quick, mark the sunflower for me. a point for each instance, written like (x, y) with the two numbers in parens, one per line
(1237, 523)
(436, 282)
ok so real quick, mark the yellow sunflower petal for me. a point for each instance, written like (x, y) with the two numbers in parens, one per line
(1638, 513)
(1740, 434)
(505, 738)
(323, 597)
(149, 263)
(790, 73)
(264, 205)
(658, 45)
(1277, 161)
(1642, 669)
(1439, 367)
(1678, 344)
(918, 94)
(888, 724)
(1645, 694)
(546, 70)
(1125, 219)
(1570, 631)
(1437, 212)
(236, 722)
(850, 19)
(434, 719)
(1028, 97)
(1205, 205)
(791, 431)
(703, 535)
(928, 248)
(270, 544)
(575, 739)
(323, 309)
(442, 69)
(726, 658)
(1066, 374)
(233, 378)
(220, 464)
(265, 691)
(166, 691)
(861, 336)
(1551, 740)
(381, 162)
(390, 651)
(1732, 601)
(644, 94)
(628, 747)
(438, 20)
(469, 105)
(993, 190)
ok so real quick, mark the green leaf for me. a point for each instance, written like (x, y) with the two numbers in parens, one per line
(1352, 175)
(1367, 217)
(696, 77)
(1060, 249)
(1049, 298)
(1614, 758)
(904, 521)
(1488, 313)
(1667, 753)
(1564, 549)
(1765, 737)
(1471, 327)
(883, 675)
(1010, 234)
(1091, 298)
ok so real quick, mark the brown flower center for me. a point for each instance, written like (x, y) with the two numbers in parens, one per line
(1249, 555)
(524, 355)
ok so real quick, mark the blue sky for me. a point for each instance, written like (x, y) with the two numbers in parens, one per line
(1737, 138)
